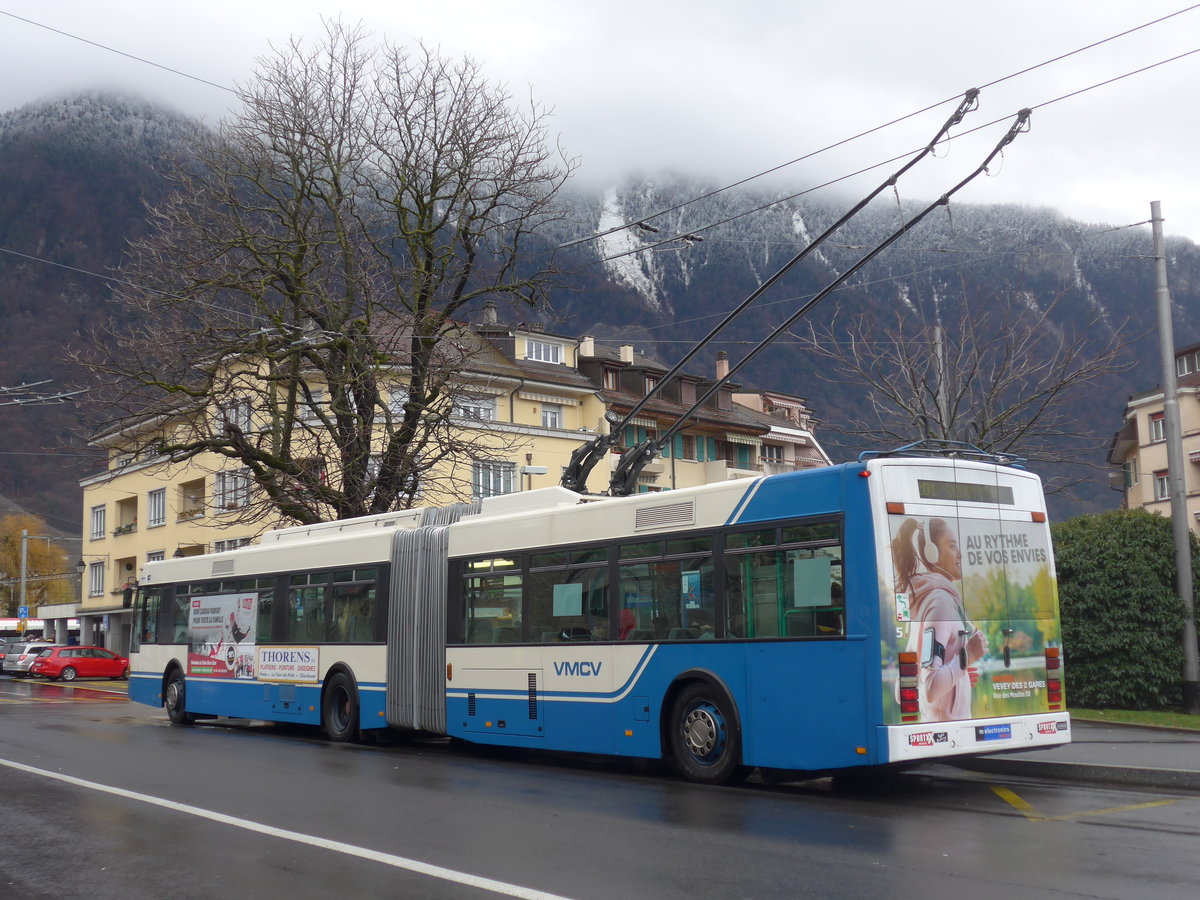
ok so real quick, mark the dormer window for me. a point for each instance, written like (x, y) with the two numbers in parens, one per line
(544, 351)
(612, 381)
(651, 383)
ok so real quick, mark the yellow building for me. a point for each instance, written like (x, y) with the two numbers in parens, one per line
(529, 400)
(1139, 449)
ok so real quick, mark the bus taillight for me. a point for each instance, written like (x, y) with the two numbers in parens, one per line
(910, 701)
(1054, 695)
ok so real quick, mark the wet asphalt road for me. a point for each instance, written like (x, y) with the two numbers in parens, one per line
(102, 798)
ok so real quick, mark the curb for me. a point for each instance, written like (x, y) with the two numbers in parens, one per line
(1131, 776)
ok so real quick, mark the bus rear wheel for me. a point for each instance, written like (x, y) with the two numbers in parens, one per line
(175, 700)
(339, 708)
(705, 739)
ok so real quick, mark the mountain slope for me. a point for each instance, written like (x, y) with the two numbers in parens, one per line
(77, 174)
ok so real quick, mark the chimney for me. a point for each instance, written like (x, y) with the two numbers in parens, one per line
(722, 364)
(627, 353)
(489, 313)
(587, 345)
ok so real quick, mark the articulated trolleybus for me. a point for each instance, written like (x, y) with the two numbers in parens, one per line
(899, 608)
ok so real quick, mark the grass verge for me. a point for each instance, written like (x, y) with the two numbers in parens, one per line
(1138, 717)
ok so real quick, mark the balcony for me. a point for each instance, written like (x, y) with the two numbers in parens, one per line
(127, 528)
(727, 469)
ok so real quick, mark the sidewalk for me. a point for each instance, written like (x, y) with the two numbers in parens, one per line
(1116, 754)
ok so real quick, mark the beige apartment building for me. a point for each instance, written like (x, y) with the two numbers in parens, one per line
(1139, 449)
(533, 397)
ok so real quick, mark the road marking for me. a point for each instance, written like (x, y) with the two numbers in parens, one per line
(399, 862)
(32, 700)
(1013, 800)
(1030, 813)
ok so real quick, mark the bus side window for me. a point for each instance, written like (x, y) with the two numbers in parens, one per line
(306, 615)
(568, 605)
(353, 613)
(493, 603)
(777, 592)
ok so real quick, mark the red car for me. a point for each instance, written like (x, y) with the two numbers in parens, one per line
(69, 663)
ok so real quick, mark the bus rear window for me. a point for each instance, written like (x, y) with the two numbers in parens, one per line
(964, 492)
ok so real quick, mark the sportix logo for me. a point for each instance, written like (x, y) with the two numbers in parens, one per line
(584, 668)
(1047, 727)
(924, 739)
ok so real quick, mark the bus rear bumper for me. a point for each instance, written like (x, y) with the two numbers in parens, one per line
(930, 740)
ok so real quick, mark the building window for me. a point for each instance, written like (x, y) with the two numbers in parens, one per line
(651, 383)
(156, 507)
(98, 518)
(96, 579)
(231, 544)
(772, 453)
(1131, 473)
(397, 397)
(310, 410)
(237, 415)
(231, 490)
(156, 556)
(1156, 428)
(689, 447)
(552, 415)
(1162, 486)
(612, 380)
(543, 351)
(492, 478)
(482, 408)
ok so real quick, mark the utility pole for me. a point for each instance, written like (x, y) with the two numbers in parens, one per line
(1174, 435)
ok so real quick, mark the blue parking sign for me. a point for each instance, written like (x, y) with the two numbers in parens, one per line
(22, 612)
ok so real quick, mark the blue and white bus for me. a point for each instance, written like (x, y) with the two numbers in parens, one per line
(898, 608)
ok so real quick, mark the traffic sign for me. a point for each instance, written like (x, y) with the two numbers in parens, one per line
(22, 612)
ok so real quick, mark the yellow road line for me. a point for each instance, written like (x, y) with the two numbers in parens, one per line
(1029, 812)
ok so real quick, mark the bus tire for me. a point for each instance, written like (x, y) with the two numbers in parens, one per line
(706, 742)
(175, 700)
(339, 708)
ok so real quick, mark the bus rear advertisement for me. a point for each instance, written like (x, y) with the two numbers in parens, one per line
(895, 609)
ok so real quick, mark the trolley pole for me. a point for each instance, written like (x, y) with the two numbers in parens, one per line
(1174, 435)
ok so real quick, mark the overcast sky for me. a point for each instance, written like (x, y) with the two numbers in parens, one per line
(724, 90)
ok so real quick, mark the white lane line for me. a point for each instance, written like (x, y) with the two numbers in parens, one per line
(389, 859)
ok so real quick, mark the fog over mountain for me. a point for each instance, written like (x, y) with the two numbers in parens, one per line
(76, 173)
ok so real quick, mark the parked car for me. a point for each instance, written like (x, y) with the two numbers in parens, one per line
(18, 658)
(69, 663)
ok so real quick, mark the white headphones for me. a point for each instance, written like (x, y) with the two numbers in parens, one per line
(930, 550)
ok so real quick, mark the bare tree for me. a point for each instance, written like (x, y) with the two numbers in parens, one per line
(1006, 378)
(294, 306)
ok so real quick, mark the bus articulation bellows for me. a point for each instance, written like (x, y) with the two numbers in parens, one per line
(899, 608)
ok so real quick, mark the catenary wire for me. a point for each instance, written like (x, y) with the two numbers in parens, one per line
(777, 201)
(739, 183)
(140, 59)
(873, 130)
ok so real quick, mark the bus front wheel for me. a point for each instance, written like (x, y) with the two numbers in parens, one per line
(339, 708)
(705, 740)
(175, 700)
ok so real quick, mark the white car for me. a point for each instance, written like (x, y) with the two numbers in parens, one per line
(18, 658)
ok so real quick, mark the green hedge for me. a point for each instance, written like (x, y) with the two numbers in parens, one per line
(1122, 623)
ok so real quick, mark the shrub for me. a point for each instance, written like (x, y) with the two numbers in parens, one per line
(1122, 621)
